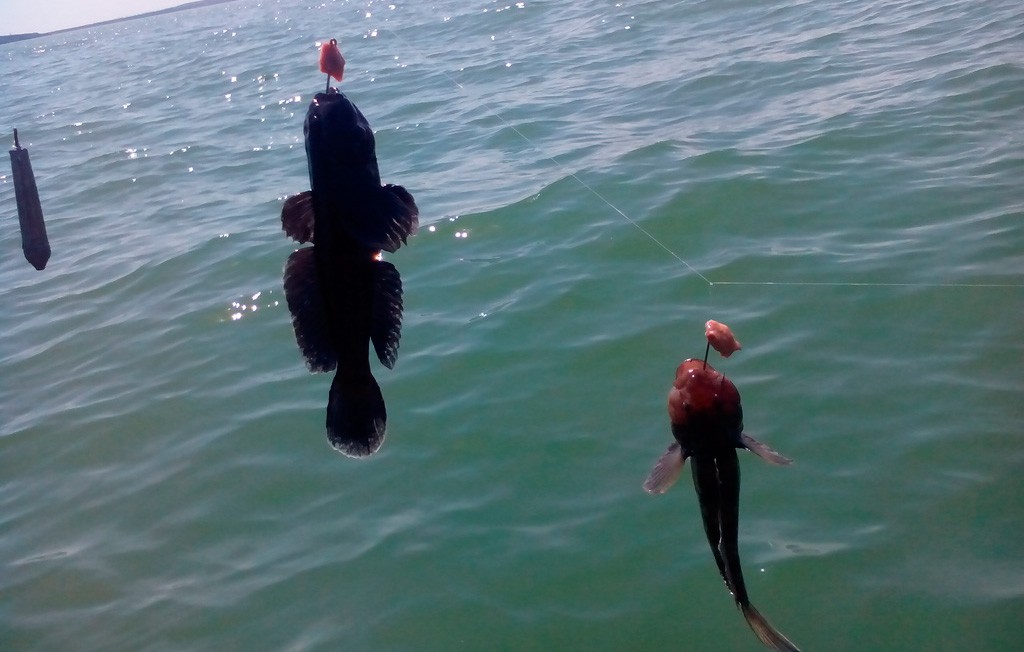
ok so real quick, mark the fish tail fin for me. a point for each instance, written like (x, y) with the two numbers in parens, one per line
(356, 416)
(764, 631)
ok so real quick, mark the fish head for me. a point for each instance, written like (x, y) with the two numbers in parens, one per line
(340, 145)
(704, 408)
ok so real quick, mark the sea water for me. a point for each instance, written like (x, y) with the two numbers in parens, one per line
(839, 182)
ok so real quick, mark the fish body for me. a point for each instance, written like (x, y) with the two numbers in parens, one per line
(707, 423)
(341, 295)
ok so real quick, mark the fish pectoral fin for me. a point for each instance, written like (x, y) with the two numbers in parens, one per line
(297, 217)
(666, 470)
(764, 630)
(410, 211)
(384, 218)
(386, 324)
(765, 452)
(309, 315)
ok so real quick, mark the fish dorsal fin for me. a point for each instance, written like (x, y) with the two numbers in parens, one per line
(309, 316)
(384, 218)
(666, 470)
(297, 217)
(386, 327)
(764, 451)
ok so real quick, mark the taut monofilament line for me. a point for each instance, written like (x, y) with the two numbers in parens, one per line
(568, 173)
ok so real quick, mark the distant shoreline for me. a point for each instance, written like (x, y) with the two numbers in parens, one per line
(11, 38)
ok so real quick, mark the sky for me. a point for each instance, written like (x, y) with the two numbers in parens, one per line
(24, 16)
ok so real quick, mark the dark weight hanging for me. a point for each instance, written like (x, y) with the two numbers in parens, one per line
(30, 213)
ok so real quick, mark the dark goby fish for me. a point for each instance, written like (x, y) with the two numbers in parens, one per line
(707, 423)
(341, 294)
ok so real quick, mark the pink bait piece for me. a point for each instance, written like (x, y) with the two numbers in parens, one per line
(721, 338)
(331, 61)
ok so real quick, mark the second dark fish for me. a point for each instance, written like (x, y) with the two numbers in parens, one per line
(707, 424)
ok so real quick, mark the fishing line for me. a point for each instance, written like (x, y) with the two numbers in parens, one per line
(873, 285)
(594, 192)
(565, 171)
(665, 247)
